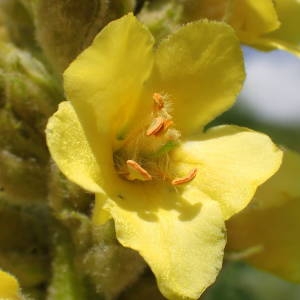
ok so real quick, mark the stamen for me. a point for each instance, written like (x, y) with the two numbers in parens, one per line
(188, 178)
(168, 124)
(158, 100)
(156, 126)
(137, 172)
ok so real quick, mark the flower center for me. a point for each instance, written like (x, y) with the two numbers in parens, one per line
(145, 153)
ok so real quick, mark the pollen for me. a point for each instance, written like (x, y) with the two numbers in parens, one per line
(186, 179)
(135, 171)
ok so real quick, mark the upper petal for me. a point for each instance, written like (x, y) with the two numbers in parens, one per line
(272, 222)
(70, 149)
(105, 82)
(181, 237)
(201, 68)
(232, 162)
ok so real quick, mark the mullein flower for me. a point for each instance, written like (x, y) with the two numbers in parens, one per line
(271, 223)
(264, 24)
(287, 36)
(132, 133)
(9, 287)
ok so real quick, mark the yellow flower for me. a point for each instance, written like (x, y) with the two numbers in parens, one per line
(9, 287)
(287, 36)
(271, 223)
(264, 24)
(129, 135)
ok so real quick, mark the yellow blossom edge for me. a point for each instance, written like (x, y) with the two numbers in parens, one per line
(272, 223)
(287, 36)
(9, 287)
(232, 162)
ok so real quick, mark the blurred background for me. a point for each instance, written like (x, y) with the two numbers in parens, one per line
(269, 102)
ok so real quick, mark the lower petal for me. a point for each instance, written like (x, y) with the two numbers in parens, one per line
(181, 237)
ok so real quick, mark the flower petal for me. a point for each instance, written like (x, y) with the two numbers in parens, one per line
(232, 162)
(287, 37)
(70, 150)
(201, 67)
(105, 81)
(180, 237)
(272, 222)
(9, 287)
(251, 18)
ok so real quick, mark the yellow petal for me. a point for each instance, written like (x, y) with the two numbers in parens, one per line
(283, 186)
(232, 162)
(272, 222)
(9, 287)
(105, 82)
(287, 37)
(251, 18)
(70, 150)
(181, 237)
(201, 68)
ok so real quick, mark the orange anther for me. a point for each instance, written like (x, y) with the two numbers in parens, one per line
(159, 100)
(156, 126)
(140, 173)
(188, 178)
(168, 124)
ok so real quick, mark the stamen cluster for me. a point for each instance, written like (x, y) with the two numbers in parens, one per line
(145, 156)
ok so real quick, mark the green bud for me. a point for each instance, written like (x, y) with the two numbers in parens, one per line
(145, 288)
(65, 27)
(95, 250)
(28, 96)
(65, 196)
(24, 247)
(17, 137)
(111, 267)
(68, 282)
(29, 87)
(120, 7)
(22, 180)
(162, 17)
(19, 22)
